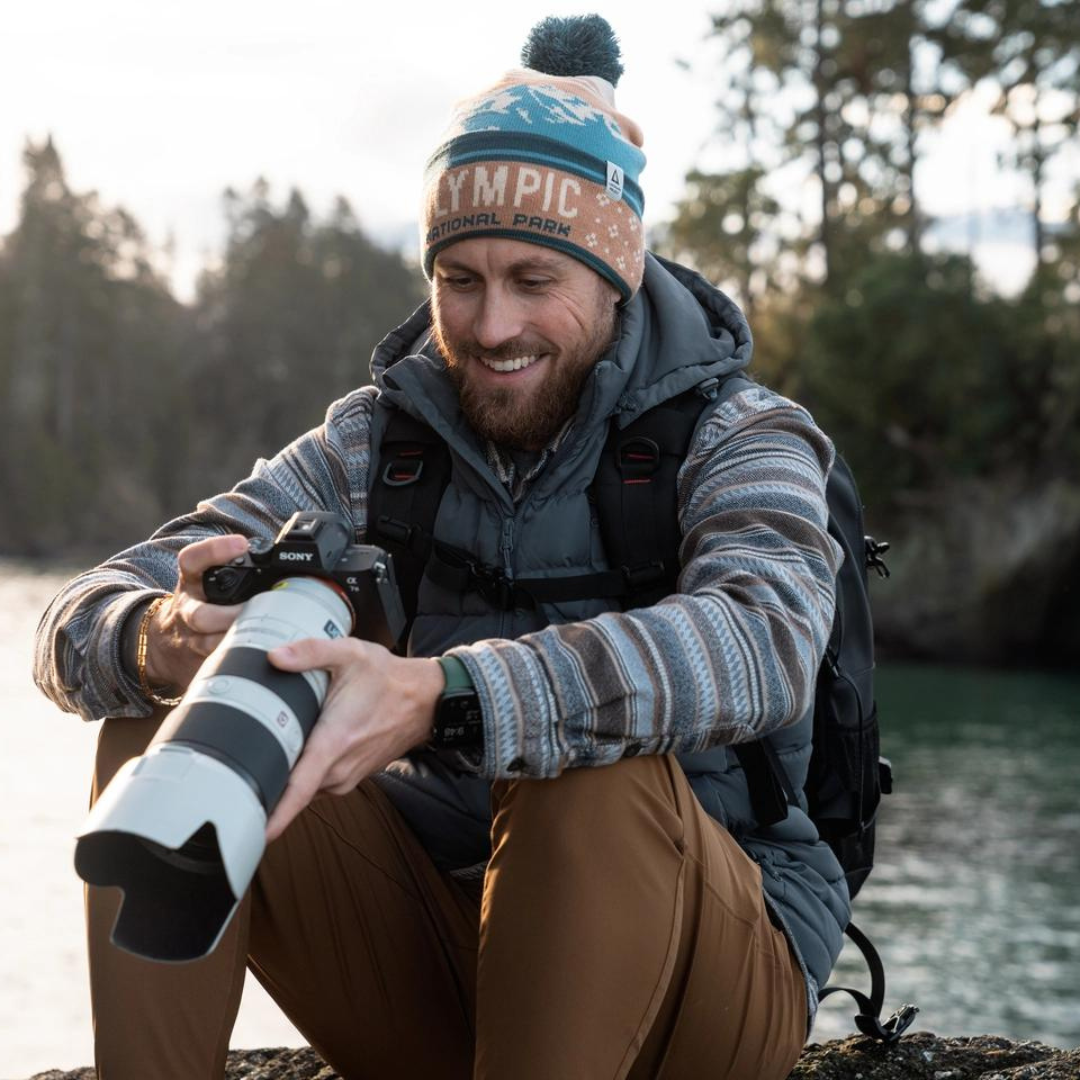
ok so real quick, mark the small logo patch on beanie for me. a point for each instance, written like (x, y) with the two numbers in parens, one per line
(614, 180)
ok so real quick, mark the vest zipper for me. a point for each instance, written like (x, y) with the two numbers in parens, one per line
(507, 546)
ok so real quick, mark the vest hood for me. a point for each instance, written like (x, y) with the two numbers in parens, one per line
(677, 332)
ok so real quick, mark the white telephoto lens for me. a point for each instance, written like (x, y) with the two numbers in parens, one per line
(182, 829)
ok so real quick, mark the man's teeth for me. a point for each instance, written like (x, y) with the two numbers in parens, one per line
(516, 364)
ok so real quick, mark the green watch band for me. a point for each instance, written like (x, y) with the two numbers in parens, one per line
(459, 722)
(456, 674)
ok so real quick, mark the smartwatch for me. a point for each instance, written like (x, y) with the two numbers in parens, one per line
(459, 723)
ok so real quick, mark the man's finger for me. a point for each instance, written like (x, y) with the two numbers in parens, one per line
(304, 783)
(203, 554)
(212, 619)
(314, 653)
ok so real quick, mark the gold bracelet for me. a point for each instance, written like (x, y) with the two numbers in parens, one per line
(140, 654)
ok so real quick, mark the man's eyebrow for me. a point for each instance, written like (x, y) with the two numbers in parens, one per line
(540, 263)
(531, 264)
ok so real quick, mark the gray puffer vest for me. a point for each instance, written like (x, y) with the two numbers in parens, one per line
(676, 333)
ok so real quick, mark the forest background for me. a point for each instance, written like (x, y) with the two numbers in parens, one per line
(957, 406)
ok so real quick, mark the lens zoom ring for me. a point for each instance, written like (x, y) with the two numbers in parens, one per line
(240, 741)
(290, 686)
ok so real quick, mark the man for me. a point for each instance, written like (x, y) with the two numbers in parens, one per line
(566, 898)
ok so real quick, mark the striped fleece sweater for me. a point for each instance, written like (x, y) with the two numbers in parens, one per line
(731, 657)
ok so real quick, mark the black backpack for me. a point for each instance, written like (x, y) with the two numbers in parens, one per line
(634, 491)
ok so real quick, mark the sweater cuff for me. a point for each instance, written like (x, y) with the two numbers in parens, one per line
(115, 689)
(520, 726)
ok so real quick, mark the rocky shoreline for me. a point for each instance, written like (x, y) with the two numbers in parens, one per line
(983, 572)
(919, 1055)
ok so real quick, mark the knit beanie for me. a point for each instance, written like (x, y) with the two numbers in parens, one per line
(544, 156)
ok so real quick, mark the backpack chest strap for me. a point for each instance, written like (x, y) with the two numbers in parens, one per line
(458, 571)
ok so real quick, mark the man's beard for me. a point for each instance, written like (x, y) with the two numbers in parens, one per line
(525, 421)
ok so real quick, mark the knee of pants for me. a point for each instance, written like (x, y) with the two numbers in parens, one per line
(120, 739)
(633, 798)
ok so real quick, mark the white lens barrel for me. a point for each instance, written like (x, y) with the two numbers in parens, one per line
(241, 709)
(181, 830)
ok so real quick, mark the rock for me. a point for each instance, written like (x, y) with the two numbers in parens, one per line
(921, 1055)
(918, 1056)
(281, 1063)
(967, 558)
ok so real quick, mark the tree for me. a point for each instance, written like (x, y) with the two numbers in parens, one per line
(1028, 51)
(285, 324)
(828, 96)
(119, 406)
(723, 227)
(80, 291)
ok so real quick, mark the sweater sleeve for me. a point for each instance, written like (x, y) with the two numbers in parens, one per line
(78, 649)
(730, 657)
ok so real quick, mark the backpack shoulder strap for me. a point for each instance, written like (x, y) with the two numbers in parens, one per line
(868, 1020)
(634, 491)
(635, 488)
(412, 469)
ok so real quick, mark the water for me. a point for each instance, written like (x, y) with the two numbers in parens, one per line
(45, 764)
(973, 903)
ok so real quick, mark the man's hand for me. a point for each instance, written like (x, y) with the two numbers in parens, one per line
(185, 629)
(379, 706)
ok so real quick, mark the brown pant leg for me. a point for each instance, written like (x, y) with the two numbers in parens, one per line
(624, 930)
(601, 945)
(368, 949)
(166, 1021)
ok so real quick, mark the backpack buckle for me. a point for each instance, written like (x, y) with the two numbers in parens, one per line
(638, 458)
(640, 577)
(874, 550)
(888, 1031)
(397, 532)
(494, 586)
(404, 468)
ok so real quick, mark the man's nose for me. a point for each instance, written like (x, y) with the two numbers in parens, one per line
(498, 319)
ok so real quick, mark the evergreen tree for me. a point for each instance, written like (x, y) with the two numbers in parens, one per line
(822, 96)
(920, 374)
(1028, 51)
(80, 293)
(286, 324)
(119, 406)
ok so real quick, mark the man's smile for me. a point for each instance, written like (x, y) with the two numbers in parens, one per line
(516, 363)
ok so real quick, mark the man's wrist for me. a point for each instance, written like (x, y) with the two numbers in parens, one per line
(459, 722)
(145, 673)
(129, 637)
(136, 653)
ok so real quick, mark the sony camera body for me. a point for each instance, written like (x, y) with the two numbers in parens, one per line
(313, 543)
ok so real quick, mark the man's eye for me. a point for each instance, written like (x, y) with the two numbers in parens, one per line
(533, 284)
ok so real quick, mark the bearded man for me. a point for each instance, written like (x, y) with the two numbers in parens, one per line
(580, 888)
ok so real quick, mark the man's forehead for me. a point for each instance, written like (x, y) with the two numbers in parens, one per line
(503, 255)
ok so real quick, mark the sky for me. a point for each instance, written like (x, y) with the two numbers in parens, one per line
(160, 106)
